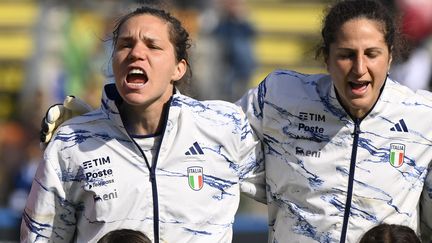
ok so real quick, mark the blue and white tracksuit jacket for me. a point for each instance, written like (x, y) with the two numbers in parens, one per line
(95, 178)
(331, 178)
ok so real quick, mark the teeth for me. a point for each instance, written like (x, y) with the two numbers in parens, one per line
(136, 71)
(136, 84)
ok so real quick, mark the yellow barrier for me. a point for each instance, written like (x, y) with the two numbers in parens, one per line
(16, 46)
(287, 18)
(18, 14)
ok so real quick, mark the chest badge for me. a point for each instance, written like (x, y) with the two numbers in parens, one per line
(195, 177)
(397, 153)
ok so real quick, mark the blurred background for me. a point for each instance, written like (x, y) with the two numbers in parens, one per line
(49, 49)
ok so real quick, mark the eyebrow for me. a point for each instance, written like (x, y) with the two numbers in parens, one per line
(367, 49)
(144, 38)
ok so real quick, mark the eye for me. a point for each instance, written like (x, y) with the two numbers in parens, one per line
(126, 45)
(123, 44)
(372, 54)
(153, 46)
(346, 55)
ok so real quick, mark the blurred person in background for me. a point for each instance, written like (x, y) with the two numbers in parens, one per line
(23, 177)
(12, 145)
(19, 156)
(415, 71)
(150, 159)
(223, 56)
(236, 36)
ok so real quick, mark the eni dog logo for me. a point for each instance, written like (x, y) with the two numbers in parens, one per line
(195, 177)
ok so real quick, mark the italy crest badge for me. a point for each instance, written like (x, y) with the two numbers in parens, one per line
(195, 177)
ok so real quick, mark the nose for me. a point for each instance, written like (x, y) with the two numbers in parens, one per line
(137, 52)
(359, 65)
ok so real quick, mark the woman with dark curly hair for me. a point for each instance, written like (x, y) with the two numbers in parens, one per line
(350, 149)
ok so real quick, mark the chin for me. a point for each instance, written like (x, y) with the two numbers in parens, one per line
(134, 99)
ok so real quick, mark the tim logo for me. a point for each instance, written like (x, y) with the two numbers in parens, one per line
(96, 162)
(305, 116)
(195, 177)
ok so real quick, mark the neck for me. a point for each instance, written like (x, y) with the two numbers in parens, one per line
(142, 121)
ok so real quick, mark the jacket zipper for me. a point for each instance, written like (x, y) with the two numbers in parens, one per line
(350, 180)
(152, 179)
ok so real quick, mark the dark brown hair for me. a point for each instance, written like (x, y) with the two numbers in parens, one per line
(343, 11)
(390, 233)
(124, 236)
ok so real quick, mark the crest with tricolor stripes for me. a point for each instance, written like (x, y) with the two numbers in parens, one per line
(397, 153)
(195, 177)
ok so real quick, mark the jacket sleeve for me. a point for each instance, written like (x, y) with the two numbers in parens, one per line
(253, 185)
(252, 105)
(426, 208)
(48, 216)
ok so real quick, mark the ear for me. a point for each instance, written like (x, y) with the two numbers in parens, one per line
(390, 58)
(179, 70)
(390, 61)
(326, 63)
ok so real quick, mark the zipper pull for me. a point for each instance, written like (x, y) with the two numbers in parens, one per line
(152, 176)
(357, 130)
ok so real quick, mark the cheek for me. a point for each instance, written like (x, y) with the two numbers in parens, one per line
(339, 86)
(170, 68)
(115, 65)
(382, 68)
(333, 64)
(336, 71)
(342, 66)
(379, 80)
(119, 56)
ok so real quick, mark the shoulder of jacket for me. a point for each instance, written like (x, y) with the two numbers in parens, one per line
(83, 119)
(216, 109)
(292, 78)
(425, 94)
(215, 105)
(280, 83)
(402, 92)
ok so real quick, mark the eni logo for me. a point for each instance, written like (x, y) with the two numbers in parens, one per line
(107, 196)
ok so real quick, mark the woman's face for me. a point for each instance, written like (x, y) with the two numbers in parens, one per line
(358, 63)
(144, 62)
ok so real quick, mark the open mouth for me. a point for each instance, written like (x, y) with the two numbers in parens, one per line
(358, 85)
(136, 77)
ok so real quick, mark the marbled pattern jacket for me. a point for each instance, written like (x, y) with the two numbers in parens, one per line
(329, 177)
(95, 178)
